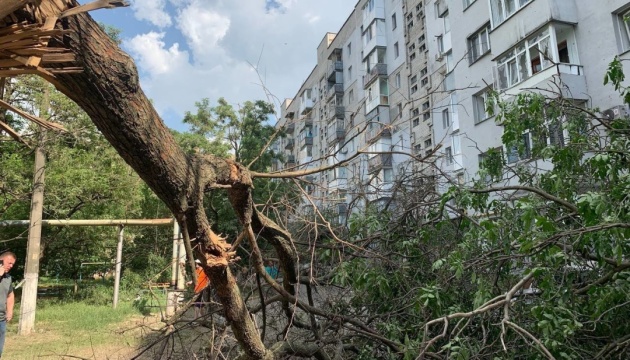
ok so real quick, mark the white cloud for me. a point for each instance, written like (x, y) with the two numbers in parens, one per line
(152, 56)
(203, 28)
(152, 11)
(219, 39)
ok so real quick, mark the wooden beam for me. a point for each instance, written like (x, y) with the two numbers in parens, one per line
(12, 133)
(123, 222)
(35, 119)
(95, 5)
(9, 6)
(34, 61)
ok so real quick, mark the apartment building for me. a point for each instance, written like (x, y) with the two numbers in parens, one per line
(546, 46)
(404, 76)
(354, 108)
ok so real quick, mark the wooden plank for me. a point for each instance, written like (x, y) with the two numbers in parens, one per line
(95, 5)
(58, 58)
(49, 24)
(44, 123)
(9, 6)
(12, 133)
(6, 63)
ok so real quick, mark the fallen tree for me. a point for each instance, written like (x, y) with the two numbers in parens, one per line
(103, 81)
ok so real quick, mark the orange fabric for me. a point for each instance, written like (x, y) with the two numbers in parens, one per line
(202, 280)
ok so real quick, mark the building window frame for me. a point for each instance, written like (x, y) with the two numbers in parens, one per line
(502, 10)
(479, 44)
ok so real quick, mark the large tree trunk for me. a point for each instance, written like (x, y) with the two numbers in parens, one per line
(109, 91)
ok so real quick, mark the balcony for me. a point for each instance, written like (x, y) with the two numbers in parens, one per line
(306, 120)
(376, 132)
(290, 144)
(290, 128)
(290, 161)
(336, 131)
(381, 114)
(336, 89)
(571, 77)
(306, 140)
(336, 111)
(376, 11)
(306, 105)
(333, 70)
(378, 162)
(376, 71)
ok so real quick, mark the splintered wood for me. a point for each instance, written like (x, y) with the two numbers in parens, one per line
(24, 49)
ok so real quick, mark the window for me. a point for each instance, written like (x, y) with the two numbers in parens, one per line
(412, 47)
(413, 79)
(418, 7)
(396, 50)
(414, 112)
(447, 23)
(478, 44)
(421, 39)
(350, 97)
(520, 151)
(412, 56)
(448, 153)
(394, 21)
(526, 59)
(349, 49)
(449, 82)
(423, 72)
(417, 149)
(414, 89)
(440, 44)
(622, 30)
(397, 80)
(416, 122)
(426, 116)
(426, 106)
(503, 9)
(446, 119)
(424, 81)
(427, 143)
(467, 3)
(388, 175)
(349, 73)
(480, 103)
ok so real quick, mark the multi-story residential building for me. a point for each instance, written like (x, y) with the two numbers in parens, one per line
(405, 76)
(354, 107)
(546, 46)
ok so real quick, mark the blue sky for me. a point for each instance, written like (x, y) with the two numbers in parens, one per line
(187, 50)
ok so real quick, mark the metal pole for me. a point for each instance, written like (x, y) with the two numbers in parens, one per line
(121, 229)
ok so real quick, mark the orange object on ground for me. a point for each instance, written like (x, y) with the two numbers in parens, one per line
(202, 280)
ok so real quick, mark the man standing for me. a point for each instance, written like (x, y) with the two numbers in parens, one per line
(7, 298)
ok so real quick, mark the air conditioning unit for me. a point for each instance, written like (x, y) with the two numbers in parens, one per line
(617, 112)
(439, 57)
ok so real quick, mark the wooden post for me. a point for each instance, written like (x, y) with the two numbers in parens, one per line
(31, 272)
(121, 229)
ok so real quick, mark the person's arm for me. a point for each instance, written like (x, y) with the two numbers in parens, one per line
(10, 302)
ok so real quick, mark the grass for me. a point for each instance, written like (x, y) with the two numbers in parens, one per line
(79, 328)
